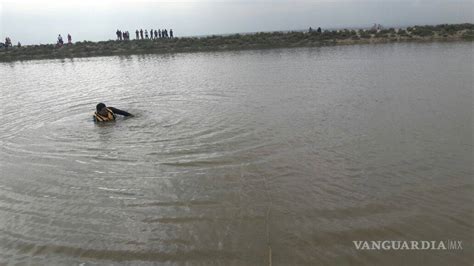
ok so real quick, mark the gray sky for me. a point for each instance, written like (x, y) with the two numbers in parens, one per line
(33, 22)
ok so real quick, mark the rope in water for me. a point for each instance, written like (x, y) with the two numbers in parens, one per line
(267, 215)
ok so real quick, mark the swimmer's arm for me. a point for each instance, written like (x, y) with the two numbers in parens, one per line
(120, 112)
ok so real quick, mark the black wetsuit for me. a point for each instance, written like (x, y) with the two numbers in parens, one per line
(110, 116)
(118, 111)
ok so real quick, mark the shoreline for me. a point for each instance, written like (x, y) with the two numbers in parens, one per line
(257, 41)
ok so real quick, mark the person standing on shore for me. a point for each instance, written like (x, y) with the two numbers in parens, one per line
(171, 33)
(8, 42)
(151, 34)
(146, 34)
(136, 34)
(156, 34)
(69, 39)
(60, 40)
(141, 34)
(159, 33)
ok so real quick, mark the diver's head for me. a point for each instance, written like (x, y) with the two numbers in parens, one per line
(99, 107)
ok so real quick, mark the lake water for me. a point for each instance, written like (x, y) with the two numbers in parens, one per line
(275, 157)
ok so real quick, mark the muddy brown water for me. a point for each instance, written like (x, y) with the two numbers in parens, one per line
(281, 157)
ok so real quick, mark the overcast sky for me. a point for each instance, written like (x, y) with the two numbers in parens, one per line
(33, 22)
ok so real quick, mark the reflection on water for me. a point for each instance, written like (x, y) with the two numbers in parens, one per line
(282, 156)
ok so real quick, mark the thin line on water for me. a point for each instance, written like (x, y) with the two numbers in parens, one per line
(267, 215)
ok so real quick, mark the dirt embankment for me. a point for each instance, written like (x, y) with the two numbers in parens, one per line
(264, 40)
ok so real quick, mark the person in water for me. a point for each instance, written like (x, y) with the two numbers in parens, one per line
(105, 114)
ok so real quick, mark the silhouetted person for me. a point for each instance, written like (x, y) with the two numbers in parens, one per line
(160, 34)
(118, 34)
(318, 30)
(310, 30)
(106, 114)
(156, 34)
(171, 33)
(69, 39)
(19, 44)
(8, 42)
(141, 34)
(60, 40)
(151, 34)
(136, 34)
(146, 34)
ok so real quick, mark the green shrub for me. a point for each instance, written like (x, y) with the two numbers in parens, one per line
(402, 32)
(365, 35)
(468, 35)
(423, 31)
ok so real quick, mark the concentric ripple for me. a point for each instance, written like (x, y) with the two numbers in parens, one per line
(238, 158)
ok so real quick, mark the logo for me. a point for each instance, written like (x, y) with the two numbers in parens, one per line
(408, 245)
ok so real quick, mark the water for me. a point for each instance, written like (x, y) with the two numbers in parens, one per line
(279, 157)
